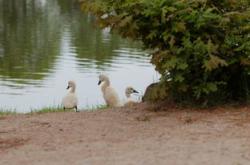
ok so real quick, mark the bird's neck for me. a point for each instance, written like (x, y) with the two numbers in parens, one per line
(72, 90)
(128, 95)
(105, 85)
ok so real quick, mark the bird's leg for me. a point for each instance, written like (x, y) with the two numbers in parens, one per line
(64, 108)
(76, 109)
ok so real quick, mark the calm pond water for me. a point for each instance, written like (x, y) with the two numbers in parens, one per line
(45, 43)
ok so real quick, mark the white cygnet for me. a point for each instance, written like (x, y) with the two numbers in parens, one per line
(70, 100)
(109, 94)
(128, 92)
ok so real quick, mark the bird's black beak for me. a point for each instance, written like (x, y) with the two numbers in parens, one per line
(135, 91)
(67, 87)
(99, 82)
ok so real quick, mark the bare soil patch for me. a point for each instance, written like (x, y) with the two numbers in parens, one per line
(141, 135)
(11, 143)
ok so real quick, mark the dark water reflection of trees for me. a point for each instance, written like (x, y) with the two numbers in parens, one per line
(31, 33)
(29, 39)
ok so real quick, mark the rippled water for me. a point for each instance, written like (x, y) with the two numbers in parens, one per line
(45, 43)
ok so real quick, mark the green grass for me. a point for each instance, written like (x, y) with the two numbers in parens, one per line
(51, 109)
(5, 112)
(48, 110)
(96, 107)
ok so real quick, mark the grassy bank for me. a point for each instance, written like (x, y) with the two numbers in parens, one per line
(4, 112)
(51, 109)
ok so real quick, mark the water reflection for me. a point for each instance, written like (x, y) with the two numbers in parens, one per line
(29, 39)
(44, 43)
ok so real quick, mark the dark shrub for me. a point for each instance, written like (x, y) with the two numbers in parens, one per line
(200, 47)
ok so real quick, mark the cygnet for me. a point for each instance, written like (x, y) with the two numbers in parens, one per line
(109, 94)
(70, 100)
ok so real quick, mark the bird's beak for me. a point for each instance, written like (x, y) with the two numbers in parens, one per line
(99, 82)
(135, 91)
(67, 87)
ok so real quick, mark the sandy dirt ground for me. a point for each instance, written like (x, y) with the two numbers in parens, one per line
(142, 135)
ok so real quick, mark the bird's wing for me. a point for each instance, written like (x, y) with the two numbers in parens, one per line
(112, 97)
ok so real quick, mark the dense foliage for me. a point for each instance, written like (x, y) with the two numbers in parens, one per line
(200, 47)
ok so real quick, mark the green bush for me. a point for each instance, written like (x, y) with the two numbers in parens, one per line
(200, 47)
